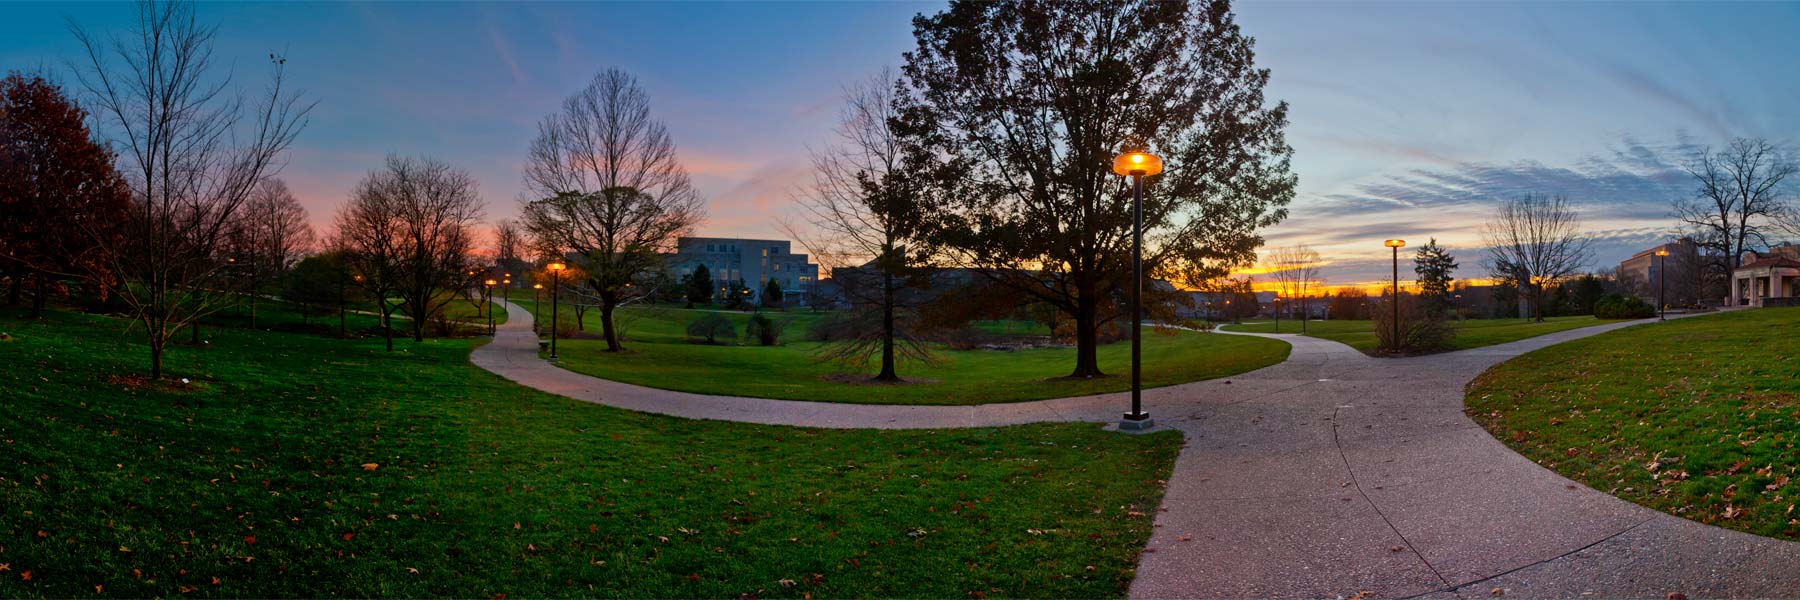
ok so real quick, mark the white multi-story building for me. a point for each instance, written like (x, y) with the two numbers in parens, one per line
(754, 262)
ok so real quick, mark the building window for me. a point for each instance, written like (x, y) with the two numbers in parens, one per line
(709, 247)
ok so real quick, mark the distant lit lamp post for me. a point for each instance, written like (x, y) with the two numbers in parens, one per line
(488, 293)
(1276, 301)
(343, 330)
(1662, 285)
(1396, 245)
(536, 291)
(506, 291)
(556, 270)
(1137, 166)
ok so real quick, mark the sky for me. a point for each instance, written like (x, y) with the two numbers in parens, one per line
(1409, 120)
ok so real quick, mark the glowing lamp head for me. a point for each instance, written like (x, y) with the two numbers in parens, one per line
(491, 282)
(359, 278)
(1394, 243)
(1662, 252)
(556, 266)
(506, 281)
(1137, 163)
(537, 286)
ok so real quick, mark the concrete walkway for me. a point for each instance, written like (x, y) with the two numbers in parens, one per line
(1327, 475)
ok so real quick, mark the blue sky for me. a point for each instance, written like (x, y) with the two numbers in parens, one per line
(1409, 119)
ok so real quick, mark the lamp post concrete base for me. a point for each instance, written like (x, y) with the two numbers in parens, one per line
(1138, 422)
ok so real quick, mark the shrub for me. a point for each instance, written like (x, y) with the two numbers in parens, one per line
(1421, 330)
(764, 330)
(709, 328)
(1615, 306)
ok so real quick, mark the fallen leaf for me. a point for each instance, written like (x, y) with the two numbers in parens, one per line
(370, 466)
(1497, 592)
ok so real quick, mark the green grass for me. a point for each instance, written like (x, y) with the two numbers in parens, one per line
(251, 484)
(659, 355)
(1696, 417)
(1470, 333)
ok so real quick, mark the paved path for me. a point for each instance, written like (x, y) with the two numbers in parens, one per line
(1327, 475)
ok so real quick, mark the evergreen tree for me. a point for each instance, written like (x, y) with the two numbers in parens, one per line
(737, 295)
(771, 295)
(699, 286)
(1434, 264)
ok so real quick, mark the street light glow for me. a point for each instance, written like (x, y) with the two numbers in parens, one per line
(1142, 164)
(1395, 243)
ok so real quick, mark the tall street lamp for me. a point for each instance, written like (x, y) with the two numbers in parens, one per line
(1396, 245)
(1662, 285)
(556, 269)
(1137, 166)
(489, 295)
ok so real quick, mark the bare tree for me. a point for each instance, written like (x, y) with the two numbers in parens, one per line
(1537, 238)
(1295, 270)
(509, 240)
(409, 231)
(867, 201)
(1740, 196)
(191, 153)
(610, 189)
(267, 236)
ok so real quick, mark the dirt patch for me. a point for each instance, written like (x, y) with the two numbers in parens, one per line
(174, 386)
(866, 379)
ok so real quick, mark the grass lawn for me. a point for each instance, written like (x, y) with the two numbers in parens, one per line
(1470, 333)
(659, 355)
(304, 465)
(1697, 417)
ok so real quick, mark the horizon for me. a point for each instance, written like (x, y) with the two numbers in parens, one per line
(1412, 136)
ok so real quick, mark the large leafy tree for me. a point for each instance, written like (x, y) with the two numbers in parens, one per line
(56, 186)
(1027, 102)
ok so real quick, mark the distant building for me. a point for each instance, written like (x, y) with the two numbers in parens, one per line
(755, 262)
(1767, 278)
(1689, 275)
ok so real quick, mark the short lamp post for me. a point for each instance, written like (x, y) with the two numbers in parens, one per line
(1275, 300)
(1662, 285)
(506, 291)
(537, 290)
(488, 293)
(1137, 166)
(556, 269)
(1396, 245)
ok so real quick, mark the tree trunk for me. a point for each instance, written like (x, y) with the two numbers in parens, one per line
(1087, 342)
(12, 292)
(38, 299)
(387, 325)
(156, 356)
(887, 329)
(607, 304)
(418, 321)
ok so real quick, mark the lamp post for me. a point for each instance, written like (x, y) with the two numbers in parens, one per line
(1137, 166)
(1396, 245)
(488, 294)
(556, 270)
(1275, 300)
(536, 290)
(506, 291)
(1662, 285)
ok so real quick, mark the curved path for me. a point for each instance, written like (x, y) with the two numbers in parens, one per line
(1327, 475)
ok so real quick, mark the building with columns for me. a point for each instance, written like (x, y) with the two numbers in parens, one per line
(1767, 278)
